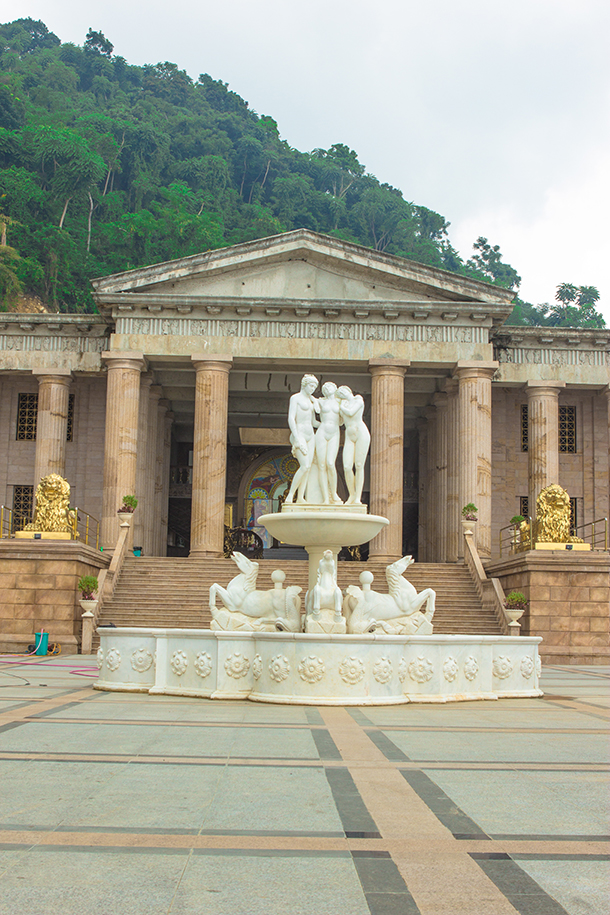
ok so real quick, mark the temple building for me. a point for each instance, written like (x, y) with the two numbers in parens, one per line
(177, 392)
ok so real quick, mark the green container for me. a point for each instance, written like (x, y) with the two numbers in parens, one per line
(42, 642)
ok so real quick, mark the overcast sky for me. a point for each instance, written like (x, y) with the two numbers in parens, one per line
(494, 114)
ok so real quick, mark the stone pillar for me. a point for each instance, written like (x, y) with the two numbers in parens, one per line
(160, 509)
(474, 445)
(150, 479)
(387, 434)
(139, 526)
(432, 478)
(453, 508)
(167, 453)
(422, 537)
(210, 453)
(121, 437)
(441, 402)
(543, 437)
(52, 424)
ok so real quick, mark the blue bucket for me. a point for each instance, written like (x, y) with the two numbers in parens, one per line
(42, 642)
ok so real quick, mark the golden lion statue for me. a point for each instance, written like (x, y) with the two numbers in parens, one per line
(553, 519)
(52, 513)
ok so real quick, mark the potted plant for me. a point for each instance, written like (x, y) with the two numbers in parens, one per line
(515, 605)
(129, 505)
(469, 518)
(87, 585)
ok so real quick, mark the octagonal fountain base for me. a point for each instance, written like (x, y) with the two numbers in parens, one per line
(306, 669)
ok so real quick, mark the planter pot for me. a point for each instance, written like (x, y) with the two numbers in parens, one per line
(89, 606)
(469, 527)
(125, 517)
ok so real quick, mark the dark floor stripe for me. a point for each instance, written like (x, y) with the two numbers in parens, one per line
(442, 806)
(325, 745)
(385, 891)
(352, 810)
(313, 716)
(9, 727)
(387, 746)
(56, 710)
(523, 893)
(359, 717)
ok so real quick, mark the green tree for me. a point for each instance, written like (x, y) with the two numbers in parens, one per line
(487, 262)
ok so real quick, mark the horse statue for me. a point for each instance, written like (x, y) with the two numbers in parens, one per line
(250, 610)
(396, 613)
(324, 601)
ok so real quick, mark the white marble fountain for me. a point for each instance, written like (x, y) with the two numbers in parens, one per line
(360, 647)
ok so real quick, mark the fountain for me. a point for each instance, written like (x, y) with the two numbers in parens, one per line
(359, 648)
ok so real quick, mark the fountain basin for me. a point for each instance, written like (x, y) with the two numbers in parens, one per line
(308, 669)
(322, 530)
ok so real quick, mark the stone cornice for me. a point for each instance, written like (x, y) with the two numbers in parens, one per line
(355, 311)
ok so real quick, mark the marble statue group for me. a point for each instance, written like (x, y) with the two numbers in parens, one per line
(315, 435)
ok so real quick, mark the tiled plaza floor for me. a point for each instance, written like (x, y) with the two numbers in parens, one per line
(129, 804)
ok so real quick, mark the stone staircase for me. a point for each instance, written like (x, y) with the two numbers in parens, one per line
(173, 592)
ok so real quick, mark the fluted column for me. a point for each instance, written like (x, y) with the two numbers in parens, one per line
(543, 437)
(52, 424)
(121, 437)
(168, 419)
(139, 526)
(149, 493)
(160, 509)
(453, 507)
(441, 402)
(209, 453)
(422, 534)
(432, 477)
(474, 445)
(387, 434)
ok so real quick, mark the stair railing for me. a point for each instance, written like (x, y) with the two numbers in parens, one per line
(490, 591)
(108, 578)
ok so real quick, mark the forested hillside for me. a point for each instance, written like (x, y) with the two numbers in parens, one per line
(107, 166)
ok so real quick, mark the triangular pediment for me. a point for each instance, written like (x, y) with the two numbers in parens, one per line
(300, 266)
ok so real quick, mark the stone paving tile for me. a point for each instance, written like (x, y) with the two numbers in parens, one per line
(530, 803)
(231, 884)
(581, 886)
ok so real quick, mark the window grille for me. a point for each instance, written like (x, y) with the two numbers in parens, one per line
(27, 415)
(70, 430)
(573, 515)
(567, 430)
(23, 502)
(525, 428)
(524, 506)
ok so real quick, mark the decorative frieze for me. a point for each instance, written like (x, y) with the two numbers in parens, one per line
(300, 330)
(53, 343)
(547, 356)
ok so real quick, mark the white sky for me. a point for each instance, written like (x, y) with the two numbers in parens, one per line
(494, 114)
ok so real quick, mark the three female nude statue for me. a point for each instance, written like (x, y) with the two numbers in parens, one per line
(315, 442)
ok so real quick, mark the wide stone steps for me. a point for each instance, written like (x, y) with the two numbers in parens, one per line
(173, 592)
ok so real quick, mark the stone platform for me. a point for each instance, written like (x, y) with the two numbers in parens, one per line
(307, 669)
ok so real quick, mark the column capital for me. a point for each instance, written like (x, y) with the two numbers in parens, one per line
(389, 366)
(467, 368)
(217, 362)
(451, 385)
(129, 360)
(606, 391)
(146, 379)
(532, 388)
(156, 391)
(57, 376)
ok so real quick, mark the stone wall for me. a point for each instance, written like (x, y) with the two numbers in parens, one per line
(38, 591)
(569, 596)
